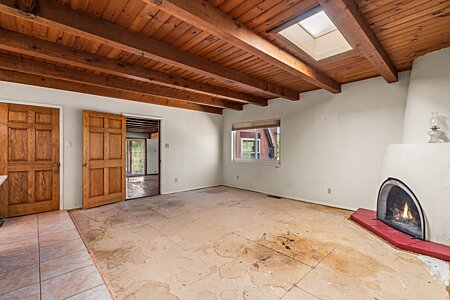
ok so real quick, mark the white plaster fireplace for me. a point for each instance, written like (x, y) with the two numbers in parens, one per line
(425, 168)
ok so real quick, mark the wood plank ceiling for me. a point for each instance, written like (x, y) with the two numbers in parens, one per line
(207, 56)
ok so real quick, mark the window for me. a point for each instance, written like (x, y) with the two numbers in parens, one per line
(256, 141)
(315, 34)
(318, 24)
(248, 148)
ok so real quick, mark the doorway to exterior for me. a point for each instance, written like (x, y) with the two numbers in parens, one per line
(142, 157)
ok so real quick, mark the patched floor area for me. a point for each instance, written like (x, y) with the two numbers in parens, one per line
(224, 243)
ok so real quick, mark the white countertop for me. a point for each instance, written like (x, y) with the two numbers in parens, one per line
(2, 179)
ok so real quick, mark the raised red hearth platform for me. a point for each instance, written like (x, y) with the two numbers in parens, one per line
(367, 219)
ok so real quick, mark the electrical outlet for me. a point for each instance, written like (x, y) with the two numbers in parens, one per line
(176, 180)
(237, 177)
(329, 190)
(167, 145)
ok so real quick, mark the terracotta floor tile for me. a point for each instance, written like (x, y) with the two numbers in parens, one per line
(9, 261)
(19, 237)
(51, 238)
(64, 264)
(31, 292)
(61, 252)
(56, 226)
(18, 278)
(70, 284)
(61, 249)
(98, 293)
(18, 247)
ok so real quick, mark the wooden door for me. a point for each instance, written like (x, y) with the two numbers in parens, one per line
(29, 143)
(103, 158)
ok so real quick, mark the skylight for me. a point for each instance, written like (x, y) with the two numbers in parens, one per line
(315, 34)
(318, 25)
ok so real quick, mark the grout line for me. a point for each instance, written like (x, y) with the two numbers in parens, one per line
(68, 272)
(59, 243)
(21, 267)
(18, 289)
(83, 291)
(39, 257)
(55, 257)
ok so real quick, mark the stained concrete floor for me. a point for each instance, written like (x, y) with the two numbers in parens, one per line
(224, 243)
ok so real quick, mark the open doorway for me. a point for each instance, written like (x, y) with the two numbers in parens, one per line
(142, 157)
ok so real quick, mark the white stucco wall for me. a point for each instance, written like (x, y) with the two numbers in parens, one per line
(152, 156)
(328, 140)
(429, 91)
(194, 138)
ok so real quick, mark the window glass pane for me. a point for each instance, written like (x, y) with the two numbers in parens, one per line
(248, 148)
(257, 144)
(318, 24)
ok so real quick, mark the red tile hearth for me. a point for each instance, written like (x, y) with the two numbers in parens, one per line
(367, 219)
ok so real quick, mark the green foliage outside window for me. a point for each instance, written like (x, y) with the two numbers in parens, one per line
(248, 149)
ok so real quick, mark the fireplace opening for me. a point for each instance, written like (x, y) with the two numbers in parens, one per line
(399, 208)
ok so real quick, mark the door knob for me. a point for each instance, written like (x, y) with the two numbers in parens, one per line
(86, 165)
(56, 165)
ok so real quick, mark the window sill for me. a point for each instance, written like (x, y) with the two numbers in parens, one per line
(258, 162)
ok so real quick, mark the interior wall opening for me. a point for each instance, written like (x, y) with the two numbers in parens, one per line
(142, 158)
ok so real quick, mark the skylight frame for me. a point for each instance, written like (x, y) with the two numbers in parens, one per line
(316, 54)
(297, 19)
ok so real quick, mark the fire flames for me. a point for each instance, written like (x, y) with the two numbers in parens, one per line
(406, 213)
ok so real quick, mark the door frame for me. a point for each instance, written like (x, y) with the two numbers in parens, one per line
(160, 143)
(61, 139)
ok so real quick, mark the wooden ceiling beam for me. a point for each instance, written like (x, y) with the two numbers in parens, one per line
(48, 70)
(67, 20)
(31, 46)
(351, 22)
(42, 81)
(205, 16)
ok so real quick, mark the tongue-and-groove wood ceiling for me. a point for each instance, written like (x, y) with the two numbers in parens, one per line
(207, 55)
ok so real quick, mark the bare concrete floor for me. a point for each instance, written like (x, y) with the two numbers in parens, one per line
(224, 243)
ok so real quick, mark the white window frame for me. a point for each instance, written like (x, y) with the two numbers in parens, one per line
(234, 141)
(257, 150)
